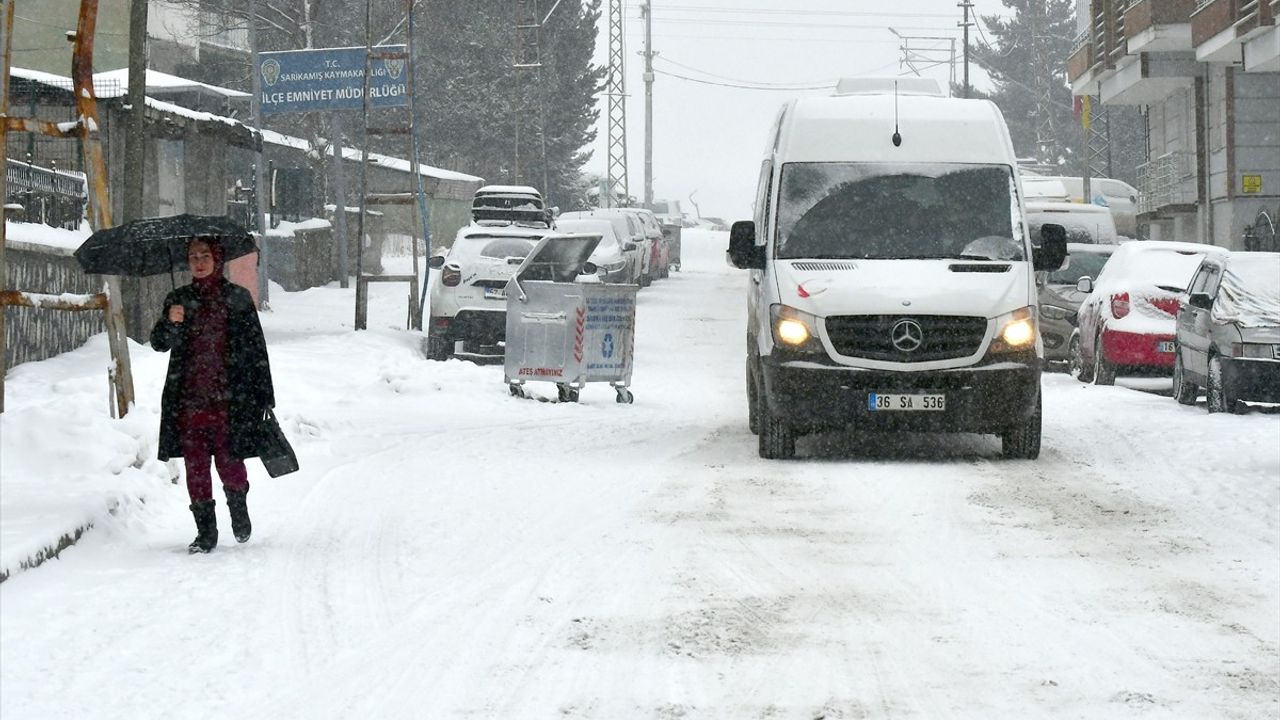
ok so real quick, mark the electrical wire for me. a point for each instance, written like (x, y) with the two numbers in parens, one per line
(743, 86)
(775, 23)
(823, 83)
(780, 11)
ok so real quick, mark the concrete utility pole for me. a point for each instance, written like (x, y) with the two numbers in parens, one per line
(647, 10)
(135, 148)
(966, 5)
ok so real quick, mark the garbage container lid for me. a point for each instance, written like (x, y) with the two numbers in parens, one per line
(558, 258)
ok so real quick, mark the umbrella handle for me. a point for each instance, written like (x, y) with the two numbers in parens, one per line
(173, 282)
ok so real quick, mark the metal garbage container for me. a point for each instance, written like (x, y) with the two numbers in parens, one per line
(672, 235)
(566, 332)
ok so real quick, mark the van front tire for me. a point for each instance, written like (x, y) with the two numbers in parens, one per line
(753, 402)
(1022, 442)
(777, 439)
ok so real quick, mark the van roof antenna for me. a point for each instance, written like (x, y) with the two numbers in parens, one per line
(897, 136)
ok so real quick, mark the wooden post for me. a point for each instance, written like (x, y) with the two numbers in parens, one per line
(6, 38)
(99, 198)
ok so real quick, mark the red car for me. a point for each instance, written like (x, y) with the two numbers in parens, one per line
(1128, 321)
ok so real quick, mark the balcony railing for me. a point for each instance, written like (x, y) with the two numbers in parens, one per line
(1166, 180)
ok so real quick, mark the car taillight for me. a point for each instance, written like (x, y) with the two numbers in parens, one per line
(1119, 305)
(1169, 305)
(451, 275)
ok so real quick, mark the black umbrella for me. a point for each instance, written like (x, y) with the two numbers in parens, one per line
(152, 246)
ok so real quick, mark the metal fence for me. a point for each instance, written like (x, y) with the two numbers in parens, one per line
(46, 195)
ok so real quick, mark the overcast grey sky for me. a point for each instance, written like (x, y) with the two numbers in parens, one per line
(709, 136)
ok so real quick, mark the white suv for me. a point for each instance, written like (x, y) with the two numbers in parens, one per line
(468, 302)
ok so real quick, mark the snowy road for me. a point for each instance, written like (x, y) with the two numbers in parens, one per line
(451, 552)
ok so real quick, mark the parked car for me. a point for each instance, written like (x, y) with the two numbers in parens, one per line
(613, 260)
(1060, 297)
(468, 303)
(510, 205)
(1228, 332)
(1084, 223)
(629, 230)
(659, 260)
(1127, 322)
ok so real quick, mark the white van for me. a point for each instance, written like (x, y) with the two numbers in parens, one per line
(892, 273)
(1118, 196)
(1085, 223)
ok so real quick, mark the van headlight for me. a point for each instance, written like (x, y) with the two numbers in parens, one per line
(1015, 331)
(794, 329)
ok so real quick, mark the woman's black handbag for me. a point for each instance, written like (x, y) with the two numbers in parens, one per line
(274, 449)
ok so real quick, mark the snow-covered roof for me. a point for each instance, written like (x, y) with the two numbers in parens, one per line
(518, 189)
(157, 80)
(107, 80)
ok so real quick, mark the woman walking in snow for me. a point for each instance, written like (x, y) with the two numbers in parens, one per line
(216, 390)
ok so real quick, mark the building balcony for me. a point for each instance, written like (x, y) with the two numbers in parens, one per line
(1221, 28)
(1148, 78)
(1167, 186)
(1080, 67)
(1159, 25)
(1262, 52)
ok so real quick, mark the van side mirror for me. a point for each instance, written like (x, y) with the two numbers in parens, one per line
(1200, 300)
(1085, 284)
(436, 261)
(1052, 251)
(743, 251)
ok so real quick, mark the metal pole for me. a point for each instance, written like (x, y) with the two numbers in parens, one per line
(647, 9)
(340, 200)
(362, 300)
(259, 182)
(966, 4)
(6, 37)
(135, 149)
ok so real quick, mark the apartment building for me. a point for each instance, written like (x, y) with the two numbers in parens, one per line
(1207, 73)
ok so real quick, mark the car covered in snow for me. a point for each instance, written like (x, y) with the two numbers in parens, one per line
(1060, 297)
(614, 264)
(659, 256)
(510, 205)
(1127, 322)
(1228, 332)
(468, 302)
(630, 231)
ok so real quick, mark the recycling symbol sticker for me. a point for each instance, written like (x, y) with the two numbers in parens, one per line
(606, 346)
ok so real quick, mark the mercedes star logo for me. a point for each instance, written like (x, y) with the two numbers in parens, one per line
(907, 335)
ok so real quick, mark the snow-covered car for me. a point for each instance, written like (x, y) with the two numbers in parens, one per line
(629, 230)
(510, 205)
(1060, 297)
(469, 303)
(612, 263)
(1228, 332)
(1127, 322)
(659, 257)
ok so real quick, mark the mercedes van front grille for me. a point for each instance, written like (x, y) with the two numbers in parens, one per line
(906, 338)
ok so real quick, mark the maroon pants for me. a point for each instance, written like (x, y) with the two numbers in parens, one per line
(198, 444)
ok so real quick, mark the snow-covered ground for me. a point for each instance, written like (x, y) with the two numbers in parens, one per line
(448, 551)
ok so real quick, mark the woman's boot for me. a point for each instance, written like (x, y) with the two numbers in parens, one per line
(206, 527)
(240, 524)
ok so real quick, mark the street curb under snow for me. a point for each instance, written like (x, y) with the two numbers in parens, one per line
(48, 552)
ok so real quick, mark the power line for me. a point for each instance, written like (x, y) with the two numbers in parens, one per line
(776, 23)
(823, 83)
(742, 86)
(779, 11)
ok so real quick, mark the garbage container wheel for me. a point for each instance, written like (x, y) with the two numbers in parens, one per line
(566, 393)
(625, 397)
(516, 390)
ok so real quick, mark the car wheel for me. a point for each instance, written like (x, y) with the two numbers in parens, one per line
(1184, 391)
(777, 439)
(753, 402)
(1022, 441)
(1218, 396)
(1104, 373)
(1076, 363)
(438, 347)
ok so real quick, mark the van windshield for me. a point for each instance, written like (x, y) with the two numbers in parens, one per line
(891, 211)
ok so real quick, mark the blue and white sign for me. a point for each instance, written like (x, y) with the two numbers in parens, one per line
(330, 79)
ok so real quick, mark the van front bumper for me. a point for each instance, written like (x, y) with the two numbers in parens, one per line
(988, 398)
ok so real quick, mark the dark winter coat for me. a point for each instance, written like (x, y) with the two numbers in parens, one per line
(248, 379)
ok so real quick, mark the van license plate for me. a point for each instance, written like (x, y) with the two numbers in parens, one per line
(495, 293)
(887, 401)
(1166, 346)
